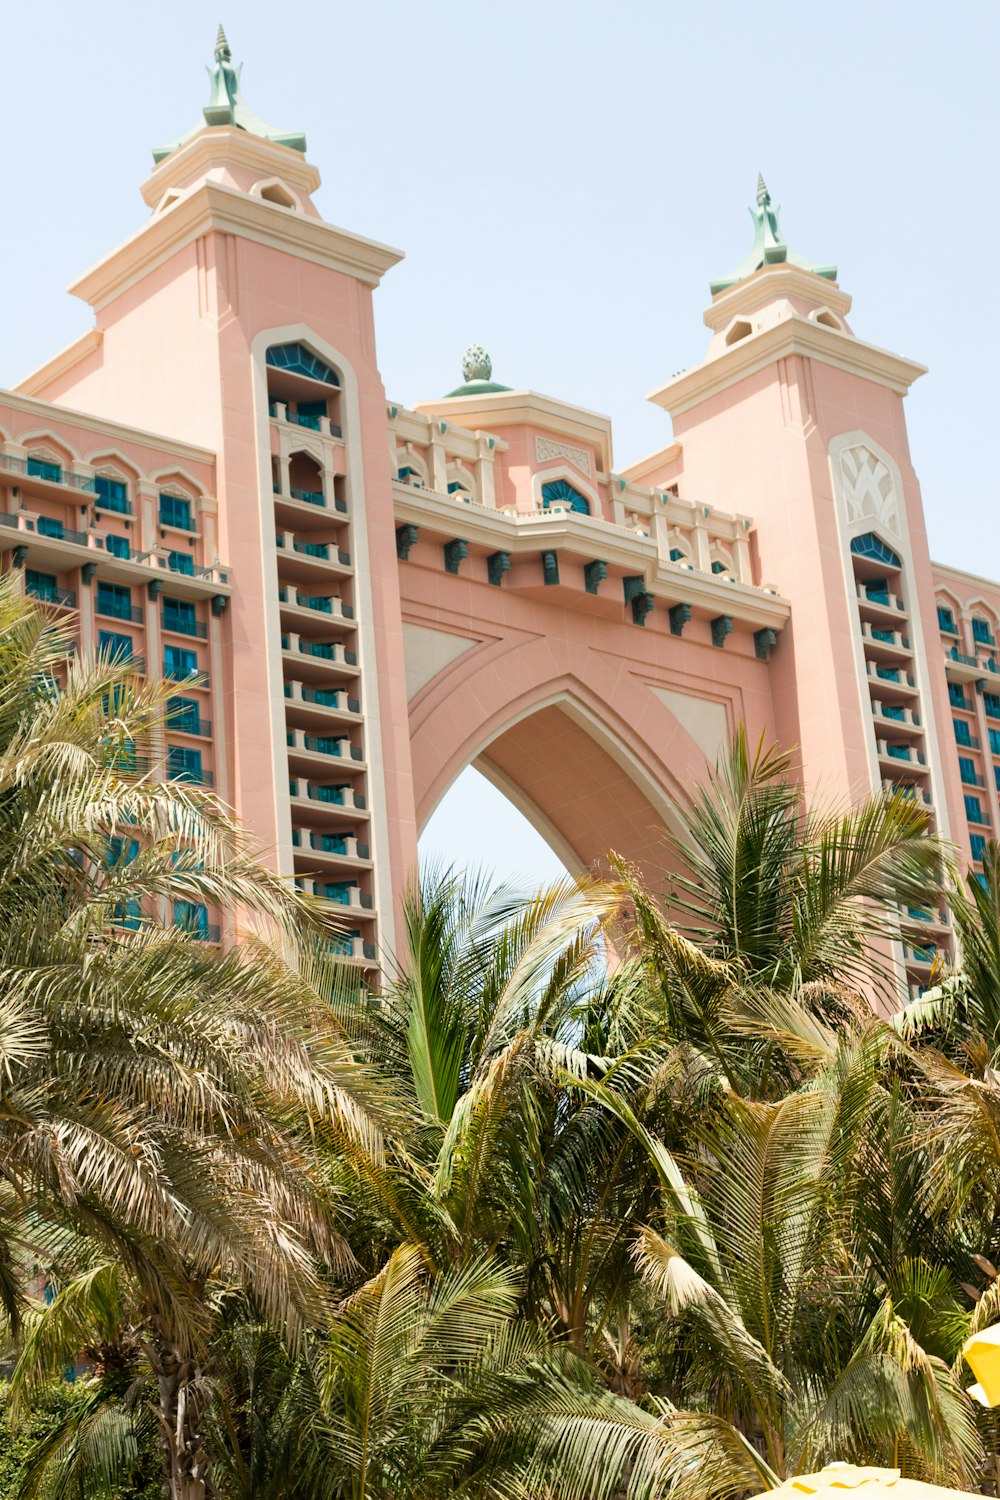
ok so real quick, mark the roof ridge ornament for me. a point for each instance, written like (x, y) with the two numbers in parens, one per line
(770, 248)
(227, 106)
(477, 374)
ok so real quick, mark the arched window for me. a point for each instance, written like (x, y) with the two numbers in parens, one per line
(871, 546)
(557, 491)
(299, 360)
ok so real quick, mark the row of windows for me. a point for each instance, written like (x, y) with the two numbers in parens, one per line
(178, 662)
(982, 633)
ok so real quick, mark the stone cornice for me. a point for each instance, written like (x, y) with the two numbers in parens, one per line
(585, 538)
(526, 409)
(944, 572)
(792, 335)
(66, 359)
(212, 206)
(768, 285)
(219, 144)
(50, 411)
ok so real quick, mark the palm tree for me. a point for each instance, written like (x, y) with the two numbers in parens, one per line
(161, 1097)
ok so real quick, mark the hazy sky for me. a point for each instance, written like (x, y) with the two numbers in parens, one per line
(565, 179)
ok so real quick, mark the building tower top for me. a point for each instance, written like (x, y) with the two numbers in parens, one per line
(769, 245)
(227, 106)
(477, 374)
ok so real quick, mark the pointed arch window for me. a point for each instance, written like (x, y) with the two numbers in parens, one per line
(558, 491)
(299, 360)
(871, 546)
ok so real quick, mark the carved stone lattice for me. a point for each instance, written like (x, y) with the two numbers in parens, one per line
(869, 487)
(546, 448)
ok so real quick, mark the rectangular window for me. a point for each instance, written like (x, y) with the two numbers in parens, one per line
(179, 614)
(112, 495)
(966, 770)
(175, 512)
(339, 891)
(114, 599)
(991, 703)
(963, 735)
(185, 715)
(996, 776)
(973, 809)
(994, 735)
(118, 546)
(49, 526)
(179, 663)
(183, 763)
(181, 562)
(956, 695)
(977, 843)
(982, 633)
(114, 646)
(946, 620)
(121, 852)
(41, 585)
(309, 413)
(192, 917)
(40, 468)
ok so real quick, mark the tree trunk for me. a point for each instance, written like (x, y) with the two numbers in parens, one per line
(182, 1404)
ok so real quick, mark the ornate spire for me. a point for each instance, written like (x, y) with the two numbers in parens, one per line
(770, 248)
(477, 373)
(227, 105)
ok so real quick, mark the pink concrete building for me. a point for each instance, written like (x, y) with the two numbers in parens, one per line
(357, 600)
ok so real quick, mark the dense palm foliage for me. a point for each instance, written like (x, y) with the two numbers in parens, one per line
(523, 1224)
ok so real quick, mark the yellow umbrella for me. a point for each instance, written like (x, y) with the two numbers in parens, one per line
(982, 1354)
(845, 1481)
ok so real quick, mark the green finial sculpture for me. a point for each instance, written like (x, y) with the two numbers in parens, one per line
(226, 106)
(770, 248)
(477, 373)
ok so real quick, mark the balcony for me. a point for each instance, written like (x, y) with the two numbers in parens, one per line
(326, 747)
(325, 656)
(905, 753)
(337, 800)
(113, 609)
(340, 893)
(322, 556)
(919, 957)
(180, 625)
(903, 683)
(279, 412)
(910, 790)
(60, 598)
(329, 605)
(35, 473)
(880, 599)
(898, 715)
(972, 778)
(197, 679)
(335, 847)
(881, 642)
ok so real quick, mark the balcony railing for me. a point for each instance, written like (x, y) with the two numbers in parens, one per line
(48, 473)
(193, 774)
(113, 609)
(178, 625)
(63, 598)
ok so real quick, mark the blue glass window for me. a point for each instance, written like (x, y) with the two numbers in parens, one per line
(977, 843)
(118, 546)
(991, 703)
(339, 891)
(994, 735)
(872, 546)
(184, 763)
(946, 620)
(676, 555)
(40, 468)
(175, 512)
(114, 646)
(982, 633)
(114, 599)
(181, 562)
(179, 662)
(956, 695)
(966, 770)
(559, 490)
(179, 614)
(718, 567)
(192, 917)
(112, 495)
(996, 776)
(963, 734)
(308, 413)
(121, 851)
(300, 361)
(973, 809)
(41, 585)
(185, 715)
(49, 526)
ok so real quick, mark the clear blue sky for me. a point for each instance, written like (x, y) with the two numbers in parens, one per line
(565, 179)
